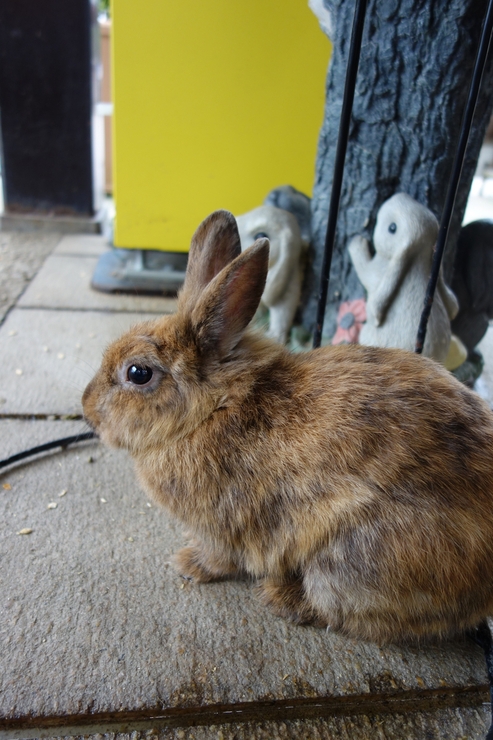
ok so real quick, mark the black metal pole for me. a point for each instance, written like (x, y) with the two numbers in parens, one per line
(448, 208)
(347, 105)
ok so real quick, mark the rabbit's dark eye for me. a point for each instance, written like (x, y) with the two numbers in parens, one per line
(392, 228)
(261, 235)
(138, 374)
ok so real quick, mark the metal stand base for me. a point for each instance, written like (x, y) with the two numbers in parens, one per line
(139, 270)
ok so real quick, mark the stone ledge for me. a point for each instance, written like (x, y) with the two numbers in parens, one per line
(51, 223)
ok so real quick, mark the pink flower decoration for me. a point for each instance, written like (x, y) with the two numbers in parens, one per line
(350, 318)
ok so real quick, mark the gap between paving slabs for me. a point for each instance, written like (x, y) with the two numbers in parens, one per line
(442, 724)
(327, 708)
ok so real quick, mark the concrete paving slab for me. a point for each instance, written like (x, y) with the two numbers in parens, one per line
(48, 357)
(21, 256)
(64, 282)
(83, 245)
(96, 628)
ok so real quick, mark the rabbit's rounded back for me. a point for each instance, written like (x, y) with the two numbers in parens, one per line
(357, 482)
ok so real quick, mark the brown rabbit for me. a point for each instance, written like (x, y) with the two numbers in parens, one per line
(355, 482)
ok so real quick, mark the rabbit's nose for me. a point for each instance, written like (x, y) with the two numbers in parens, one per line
(90, 404)
(87, 392)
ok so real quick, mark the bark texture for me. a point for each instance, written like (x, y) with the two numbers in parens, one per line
(415, 67)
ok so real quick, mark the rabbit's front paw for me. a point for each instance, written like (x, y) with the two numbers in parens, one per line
(287, 599)
(195, 564)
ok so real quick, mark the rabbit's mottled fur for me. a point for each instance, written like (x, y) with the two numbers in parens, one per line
(356, 483)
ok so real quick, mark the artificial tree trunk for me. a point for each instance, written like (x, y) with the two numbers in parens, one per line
(415, 67)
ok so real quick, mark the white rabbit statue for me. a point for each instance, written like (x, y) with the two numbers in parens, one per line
(283, 286)
(396, 278)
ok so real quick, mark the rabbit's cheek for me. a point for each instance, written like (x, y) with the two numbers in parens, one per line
(106, 437)
(111, 431)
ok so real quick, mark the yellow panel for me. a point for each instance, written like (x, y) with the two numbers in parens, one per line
(215, 104)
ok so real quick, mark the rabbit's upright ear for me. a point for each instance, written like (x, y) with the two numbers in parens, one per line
(214, 245)
(226, 306)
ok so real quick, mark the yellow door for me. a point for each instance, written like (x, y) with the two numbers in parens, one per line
(215, 104)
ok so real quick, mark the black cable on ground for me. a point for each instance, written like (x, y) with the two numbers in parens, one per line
(63, 443)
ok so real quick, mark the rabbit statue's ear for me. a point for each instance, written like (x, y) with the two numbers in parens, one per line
(214, 245)
(226, 306)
